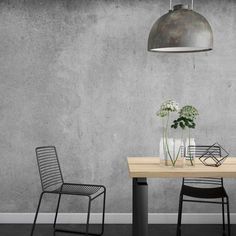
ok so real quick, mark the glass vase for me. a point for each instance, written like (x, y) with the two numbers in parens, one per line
(190, 152)
(171, 152)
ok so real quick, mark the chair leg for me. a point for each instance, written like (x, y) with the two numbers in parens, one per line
(88, 217)
(36, 214)
(103, 212)
(228, 216)
(223, 215)
(179, 215)
(86, 232)
(58, 204)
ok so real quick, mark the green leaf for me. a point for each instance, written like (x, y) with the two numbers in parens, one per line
(182, 125)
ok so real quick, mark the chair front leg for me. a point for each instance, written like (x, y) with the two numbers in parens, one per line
(223, 214)
(178, 233)
(228, 216)
(36, 214)
(88, 216)
(58, 204)
(103, 212)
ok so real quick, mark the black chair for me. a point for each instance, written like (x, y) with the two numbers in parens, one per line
(53, 183)
(206, 189)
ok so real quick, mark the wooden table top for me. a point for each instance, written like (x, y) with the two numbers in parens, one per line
(149, 167)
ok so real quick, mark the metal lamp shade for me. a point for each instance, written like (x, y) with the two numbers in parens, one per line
(181, 30)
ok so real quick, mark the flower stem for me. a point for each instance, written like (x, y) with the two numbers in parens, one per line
(166, 140)
(163, 141)
(179, 146)
(190, 155)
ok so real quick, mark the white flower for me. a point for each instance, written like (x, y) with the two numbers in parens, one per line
(189, 112)
(166, 107)
(162, 113)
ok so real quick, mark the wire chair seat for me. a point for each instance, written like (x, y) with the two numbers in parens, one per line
(216, 192)
(79, 189)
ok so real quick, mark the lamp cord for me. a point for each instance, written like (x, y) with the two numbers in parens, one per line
(171, 4)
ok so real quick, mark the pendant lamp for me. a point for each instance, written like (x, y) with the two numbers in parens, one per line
(181, 30)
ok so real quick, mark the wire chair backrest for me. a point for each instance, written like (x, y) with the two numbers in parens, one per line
(199, 151)
(49, 167)
(204, 181)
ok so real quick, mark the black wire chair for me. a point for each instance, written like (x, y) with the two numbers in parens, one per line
(206, 189)
(52, 183)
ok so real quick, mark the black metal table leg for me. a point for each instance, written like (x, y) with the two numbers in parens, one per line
(140, 207)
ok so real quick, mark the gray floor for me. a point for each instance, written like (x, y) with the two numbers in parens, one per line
(121, 230)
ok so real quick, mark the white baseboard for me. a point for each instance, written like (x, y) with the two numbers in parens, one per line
(113, 218)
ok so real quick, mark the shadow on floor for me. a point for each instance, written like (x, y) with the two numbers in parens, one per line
(116, 230)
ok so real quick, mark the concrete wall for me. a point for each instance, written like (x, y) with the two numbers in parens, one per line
(76, 74)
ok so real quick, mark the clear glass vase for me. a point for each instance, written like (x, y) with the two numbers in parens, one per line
(190, 152)
(171, 152)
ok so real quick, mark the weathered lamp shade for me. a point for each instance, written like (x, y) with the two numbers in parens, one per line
(181, 30)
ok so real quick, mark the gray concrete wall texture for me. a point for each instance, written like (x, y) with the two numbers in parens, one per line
(77, 74)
